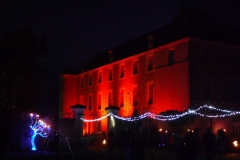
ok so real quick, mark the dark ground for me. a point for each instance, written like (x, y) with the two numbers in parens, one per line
(95, 153)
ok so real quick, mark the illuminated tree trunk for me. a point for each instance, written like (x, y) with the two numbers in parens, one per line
(32, 141)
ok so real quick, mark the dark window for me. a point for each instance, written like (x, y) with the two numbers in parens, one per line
(135, 67)
(171, 57)
(122, 71)
(150, 63)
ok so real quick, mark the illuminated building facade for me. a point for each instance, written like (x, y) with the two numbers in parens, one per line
(191, 62)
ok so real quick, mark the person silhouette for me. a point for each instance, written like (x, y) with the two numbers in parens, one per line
(110, 142)
(208, 140)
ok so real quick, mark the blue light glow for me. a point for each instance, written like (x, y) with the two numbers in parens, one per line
(39, 127)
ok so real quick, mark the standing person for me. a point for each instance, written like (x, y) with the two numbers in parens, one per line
(208, 141)
(177, 139)
(110, 142)
(195, 143)
(221, 141)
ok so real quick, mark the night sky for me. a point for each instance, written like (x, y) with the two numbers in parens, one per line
(76, 30)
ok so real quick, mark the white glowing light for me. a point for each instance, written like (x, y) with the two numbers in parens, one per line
(225, 113)
(235, 143)
(104, 141)
(39, 127)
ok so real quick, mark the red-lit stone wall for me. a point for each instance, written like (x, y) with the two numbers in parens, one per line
(170, 85)
(70, 94)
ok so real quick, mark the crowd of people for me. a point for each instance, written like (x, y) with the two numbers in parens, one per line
(187, 145)
(184, 145)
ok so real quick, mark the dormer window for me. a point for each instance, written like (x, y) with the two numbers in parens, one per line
(110, 75)
(150, 63)
(121, 71)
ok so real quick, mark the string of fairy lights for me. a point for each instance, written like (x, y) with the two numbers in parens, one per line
(224, 113)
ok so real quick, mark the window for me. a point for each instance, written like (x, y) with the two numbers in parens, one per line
(121, 71)
(90, 80)
(90, 104)
(110, 98)
(82, 100)
(171, 57)
(99, 101)
(206, 89)
(110, 76)
(150, 93)
(99, 77)
(135, 67)
(150, 63)
(206, 55)
(82, 82)
(122, 98)
(135, 96)
(98, 127)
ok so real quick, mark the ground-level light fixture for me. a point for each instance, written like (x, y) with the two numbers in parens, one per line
(104, 142)
(235, 143)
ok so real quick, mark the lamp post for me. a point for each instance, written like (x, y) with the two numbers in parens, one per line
(78, 111)
(114, 110)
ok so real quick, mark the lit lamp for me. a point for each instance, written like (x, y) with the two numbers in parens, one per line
(235, 143)
(111, 122)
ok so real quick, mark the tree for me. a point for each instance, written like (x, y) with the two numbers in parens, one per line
(39, 127)
(19, 69)
(18, 79)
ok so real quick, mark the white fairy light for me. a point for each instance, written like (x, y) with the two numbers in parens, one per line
(171, 117)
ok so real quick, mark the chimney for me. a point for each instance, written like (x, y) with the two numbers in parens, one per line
(83, 66)
(110, 56)
(150, 41)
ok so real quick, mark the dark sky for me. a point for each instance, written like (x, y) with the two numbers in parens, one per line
(76, 30)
